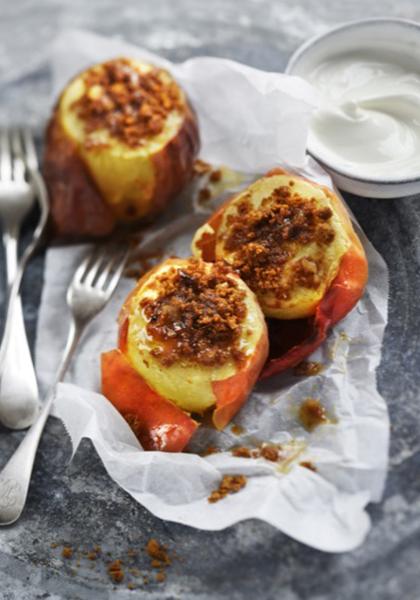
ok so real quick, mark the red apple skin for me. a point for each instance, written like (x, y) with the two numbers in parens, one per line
(232, 393)
(157, 423)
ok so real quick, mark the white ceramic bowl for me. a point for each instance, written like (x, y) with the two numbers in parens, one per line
(388, 34)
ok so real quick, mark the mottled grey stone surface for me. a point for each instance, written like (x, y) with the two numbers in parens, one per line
(79, 504)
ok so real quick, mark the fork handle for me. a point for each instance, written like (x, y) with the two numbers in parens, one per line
(10, 237)
(19, 401)
(16, 475)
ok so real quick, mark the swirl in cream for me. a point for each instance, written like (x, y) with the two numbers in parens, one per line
(369, 119)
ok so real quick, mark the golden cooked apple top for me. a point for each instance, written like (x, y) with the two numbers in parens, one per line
(262, 240)
(130, 102)
(197, 316)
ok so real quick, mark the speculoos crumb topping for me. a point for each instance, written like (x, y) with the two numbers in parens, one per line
(264, 239)
(132, 106)
(197, 317)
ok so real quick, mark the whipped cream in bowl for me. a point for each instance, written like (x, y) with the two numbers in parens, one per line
(366, 130)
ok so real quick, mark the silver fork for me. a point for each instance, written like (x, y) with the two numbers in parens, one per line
(19, 401)
(92, 286)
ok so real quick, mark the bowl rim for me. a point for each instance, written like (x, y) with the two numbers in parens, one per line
(303, 48)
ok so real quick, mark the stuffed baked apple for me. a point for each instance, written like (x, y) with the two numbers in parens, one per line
(192, 339)
(120, 145)
(291, 240)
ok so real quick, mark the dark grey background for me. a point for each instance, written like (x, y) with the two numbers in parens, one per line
(79, 504)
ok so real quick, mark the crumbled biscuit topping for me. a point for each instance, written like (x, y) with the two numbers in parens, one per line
(312, 414)
(264, 239)
(197, 316)
(308, 368)
(131, 105)
(230, 484)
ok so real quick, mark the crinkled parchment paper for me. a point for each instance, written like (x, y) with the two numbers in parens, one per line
(251, 121)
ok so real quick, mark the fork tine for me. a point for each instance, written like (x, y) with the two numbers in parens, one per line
(82, 269)
(103, 276)
(100, 282)
(113, 282)
(30, 156)
(5, 156)
(17, 149)
(98, 259)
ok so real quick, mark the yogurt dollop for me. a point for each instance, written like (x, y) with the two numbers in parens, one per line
(368, 123)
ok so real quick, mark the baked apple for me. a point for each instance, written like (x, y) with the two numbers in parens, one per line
(192, 340)
(120, 145)
(291, 240)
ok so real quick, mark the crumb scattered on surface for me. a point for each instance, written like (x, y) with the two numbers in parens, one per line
(215, 175)
(160, 576)
(270, 453)
(201, 167)
(241, 452)
(119, 570)
(67, 552)
(204, 194)
(237, 429)
(308, 465)
(159, 558)
(308, 368)
(230, 484)
(115, 571)
(210, 450)
(158, 552)
(142, 262)
(312, 414)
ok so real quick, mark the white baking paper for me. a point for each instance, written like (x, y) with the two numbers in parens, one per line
(248, 118)
(243, 114)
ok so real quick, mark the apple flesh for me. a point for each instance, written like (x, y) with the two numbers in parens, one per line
(296, 331)
(95, 186)
(185, 386)
(210, 244)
